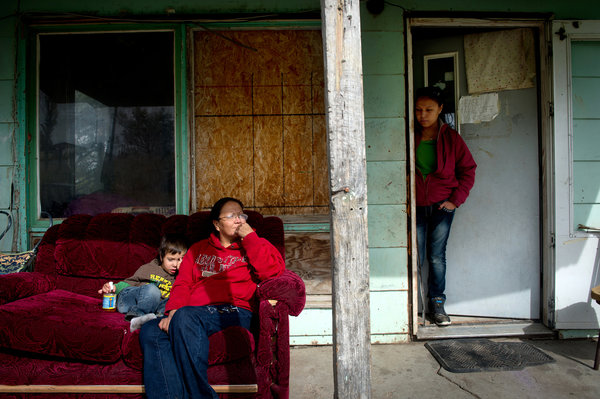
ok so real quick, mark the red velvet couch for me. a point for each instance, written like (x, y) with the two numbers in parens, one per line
(54, 332)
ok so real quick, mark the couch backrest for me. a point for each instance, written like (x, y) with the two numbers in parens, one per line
(84, 251)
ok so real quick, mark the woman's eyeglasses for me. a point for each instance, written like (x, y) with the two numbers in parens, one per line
(241, 216)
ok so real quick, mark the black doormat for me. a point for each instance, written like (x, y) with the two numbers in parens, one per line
(480, 354)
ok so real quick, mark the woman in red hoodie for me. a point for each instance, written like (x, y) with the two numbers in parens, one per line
(445, 175)
(214, 290)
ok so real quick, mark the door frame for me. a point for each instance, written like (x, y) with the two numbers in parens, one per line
(546, 150)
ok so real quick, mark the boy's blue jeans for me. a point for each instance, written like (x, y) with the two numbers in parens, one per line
(175, 364)
(433, 230)
(141, 300)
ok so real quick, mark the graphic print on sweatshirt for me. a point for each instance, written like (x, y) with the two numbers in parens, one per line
(211, 264)
(163, 284)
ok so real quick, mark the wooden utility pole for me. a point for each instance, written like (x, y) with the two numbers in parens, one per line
(348, 188)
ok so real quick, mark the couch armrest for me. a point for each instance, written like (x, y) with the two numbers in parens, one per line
(287, 288)
(278, 298)
(15, 286)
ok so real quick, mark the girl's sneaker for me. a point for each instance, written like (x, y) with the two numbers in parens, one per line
(439, 314)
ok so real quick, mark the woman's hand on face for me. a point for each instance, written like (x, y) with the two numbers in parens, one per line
(448, 205)
(243, 230)
(163, 324)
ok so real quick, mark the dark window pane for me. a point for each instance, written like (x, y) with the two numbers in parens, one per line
(106, 122)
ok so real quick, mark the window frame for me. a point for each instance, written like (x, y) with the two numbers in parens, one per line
(453, 55)
(36, 225)
(564, 34)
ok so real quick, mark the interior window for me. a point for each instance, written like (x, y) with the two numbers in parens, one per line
(106, 125)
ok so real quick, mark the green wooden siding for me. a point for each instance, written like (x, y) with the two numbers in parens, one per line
(384, 88)
(314, 326)
(388, 269)
(385, 139)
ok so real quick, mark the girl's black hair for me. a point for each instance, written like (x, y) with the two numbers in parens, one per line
(215, 211)
(431, 92)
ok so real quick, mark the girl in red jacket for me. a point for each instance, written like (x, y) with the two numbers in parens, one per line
(214, 290)
(445, 175)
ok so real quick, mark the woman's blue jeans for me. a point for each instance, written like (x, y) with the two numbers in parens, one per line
(433, 230)
(175, 364)
(141, 300)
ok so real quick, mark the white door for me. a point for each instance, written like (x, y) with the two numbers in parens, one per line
(493, 257)
(576, 57)
(493, 254)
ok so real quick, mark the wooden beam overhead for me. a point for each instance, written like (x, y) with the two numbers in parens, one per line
(348, 190)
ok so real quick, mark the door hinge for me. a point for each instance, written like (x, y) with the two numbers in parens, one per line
(551, 109)
(552, 241)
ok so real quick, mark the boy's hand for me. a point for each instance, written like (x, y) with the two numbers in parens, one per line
(107, 288)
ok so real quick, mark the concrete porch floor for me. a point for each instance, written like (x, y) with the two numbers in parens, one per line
(410, 371)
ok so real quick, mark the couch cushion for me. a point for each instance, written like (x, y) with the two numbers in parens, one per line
(25, 370)
(110, 246)
(227, 346)
(14, 286)
(73, 326)
(65, 324)
(101, 259)
(22, 370)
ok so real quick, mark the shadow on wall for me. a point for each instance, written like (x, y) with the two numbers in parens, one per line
(584, 310)
(583, 313)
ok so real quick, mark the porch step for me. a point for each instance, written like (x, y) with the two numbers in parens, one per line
(501, 329)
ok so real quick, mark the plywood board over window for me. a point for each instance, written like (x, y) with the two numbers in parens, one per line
(260, 120)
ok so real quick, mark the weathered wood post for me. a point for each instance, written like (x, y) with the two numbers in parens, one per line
(348, 188)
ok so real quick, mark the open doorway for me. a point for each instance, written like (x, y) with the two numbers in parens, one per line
(494, 256)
